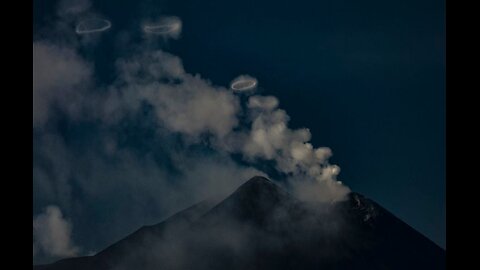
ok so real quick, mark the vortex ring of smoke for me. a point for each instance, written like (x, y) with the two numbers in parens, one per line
(161, 29)
(243, 84)
(88, 26)
(166, 27)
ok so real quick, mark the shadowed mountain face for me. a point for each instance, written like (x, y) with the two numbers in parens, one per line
(261, 226)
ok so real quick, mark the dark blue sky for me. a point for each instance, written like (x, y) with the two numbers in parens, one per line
(367, 78)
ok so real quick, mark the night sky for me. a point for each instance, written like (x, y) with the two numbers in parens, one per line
(366, 77)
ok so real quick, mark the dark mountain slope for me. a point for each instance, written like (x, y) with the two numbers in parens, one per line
(261, 226)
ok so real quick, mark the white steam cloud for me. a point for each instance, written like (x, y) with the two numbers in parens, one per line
(193, 107)
(52, 234)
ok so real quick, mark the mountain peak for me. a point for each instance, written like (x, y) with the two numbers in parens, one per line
(256, 183)
(261, 189)
(254, 200)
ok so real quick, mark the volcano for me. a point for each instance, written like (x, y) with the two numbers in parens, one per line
(262, 226)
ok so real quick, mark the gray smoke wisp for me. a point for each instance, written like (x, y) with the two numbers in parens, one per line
(53, 234)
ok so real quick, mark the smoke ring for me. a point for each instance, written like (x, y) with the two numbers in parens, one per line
(83, 28)
(243, 83)
(161, 29)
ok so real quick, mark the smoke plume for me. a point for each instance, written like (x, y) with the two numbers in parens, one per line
(53, 234)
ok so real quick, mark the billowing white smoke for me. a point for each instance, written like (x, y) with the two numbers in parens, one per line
(271, 139)
(183, 103)
(53, 234)
(193, 107)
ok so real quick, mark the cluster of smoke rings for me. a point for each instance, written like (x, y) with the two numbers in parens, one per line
(168, 26)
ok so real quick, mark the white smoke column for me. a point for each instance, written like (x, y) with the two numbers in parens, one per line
(183, 103)
(52, 234)
(193, 107)
(271, 139)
